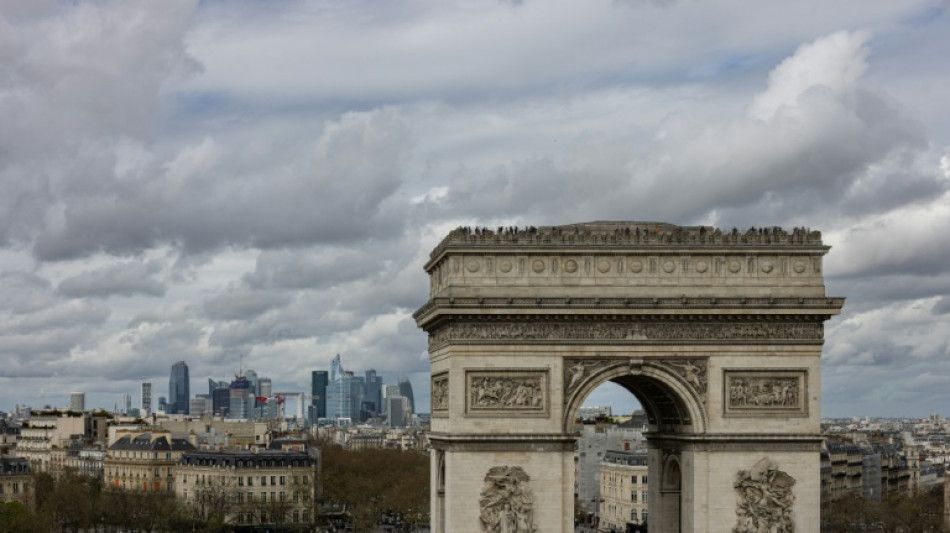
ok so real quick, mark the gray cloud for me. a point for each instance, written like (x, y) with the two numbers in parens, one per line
(264, 183)
(122, 279)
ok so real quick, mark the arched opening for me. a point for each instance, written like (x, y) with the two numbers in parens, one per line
(624, 498)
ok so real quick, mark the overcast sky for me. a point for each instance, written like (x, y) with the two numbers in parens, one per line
(261, 181)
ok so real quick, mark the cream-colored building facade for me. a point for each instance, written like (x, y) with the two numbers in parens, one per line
(254, 488)
(717, 333)
(624, 494)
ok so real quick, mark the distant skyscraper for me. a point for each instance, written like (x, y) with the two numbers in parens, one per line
(405, 389)
(398, 409)
(264, 387)
(374, 391)
(319, 379)
(77, 401)
(179, 389)
(127, 402)
(252, 380)
(242, 399)
(146, 399)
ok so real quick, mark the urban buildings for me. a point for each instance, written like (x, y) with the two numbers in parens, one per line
(267, 487)
(623, 490)
(146, 399)
(77, 401)
(16, 480)
(144, 460)
(405, 389)
(319, 379)
(179, 389)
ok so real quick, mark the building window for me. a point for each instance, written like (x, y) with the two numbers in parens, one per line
(273, 480)
(283, 480)
(296, 516)
(643, 480)
(281, 496)
(633, 496)
(16, 487)
(643, 496)
(250, 481)
(263, 481)
(240, 481)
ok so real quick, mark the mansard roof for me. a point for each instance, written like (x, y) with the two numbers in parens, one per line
(246, 458)
(149, 442)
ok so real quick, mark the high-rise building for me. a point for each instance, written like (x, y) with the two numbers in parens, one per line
(77, 401)
(374, 391)
(179, 389)
(405, 389)
(241, 398)
(146, 399)
(344, 393)
(252, 380)
(127, 402)
(264, 386)
(397, 408)
(319, 379)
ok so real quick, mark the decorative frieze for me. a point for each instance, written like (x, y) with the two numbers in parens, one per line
(507, 503)
(765, 392)
(625, 332)
(495, 392)
(440, 392)
(765, 499)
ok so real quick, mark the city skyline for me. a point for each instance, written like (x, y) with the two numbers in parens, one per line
(259, 185)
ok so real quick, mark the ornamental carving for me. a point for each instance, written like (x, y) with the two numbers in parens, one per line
(507, 504)
(440, 392)
(493, 391)
(593, 332)
(693, 371)
(765, 392)
(580, 369)
(765, 499)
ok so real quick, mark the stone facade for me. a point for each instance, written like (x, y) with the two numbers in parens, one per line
(266, 488)
(717, 333)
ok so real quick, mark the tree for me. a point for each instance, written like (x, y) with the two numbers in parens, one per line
(371, 484)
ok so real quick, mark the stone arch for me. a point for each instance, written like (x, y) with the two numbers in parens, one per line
(671, 403)
(523, 324)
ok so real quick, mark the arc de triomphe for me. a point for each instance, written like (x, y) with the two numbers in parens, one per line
(718, 335)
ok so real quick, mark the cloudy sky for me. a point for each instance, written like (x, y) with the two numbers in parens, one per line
(260, 182)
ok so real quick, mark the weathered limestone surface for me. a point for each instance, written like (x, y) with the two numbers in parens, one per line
(718, 334)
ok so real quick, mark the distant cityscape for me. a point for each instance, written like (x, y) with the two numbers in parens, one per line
(242, 424)
(337, 397)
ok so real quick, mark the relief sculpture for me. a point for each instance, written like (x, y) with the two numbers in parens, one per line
(765, 499)
(631, 332)
(490, 392)
(440, 392)
(694, 372)
(765, 392)
(507, 504)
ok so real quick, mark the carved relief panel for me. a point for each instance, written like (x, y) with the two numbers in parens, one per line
(765, 392)
(440, 394)
(506, 392)
(507, 503)
(765, 499)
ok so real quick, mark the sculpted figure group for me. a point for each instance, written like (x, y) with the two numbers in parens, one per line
(490, 392)
(507, 505)
(763, 392)
(765, 499)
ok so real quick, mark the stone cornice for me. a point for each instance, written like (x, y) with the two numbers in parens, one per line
(625, 236)
(821, 308)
